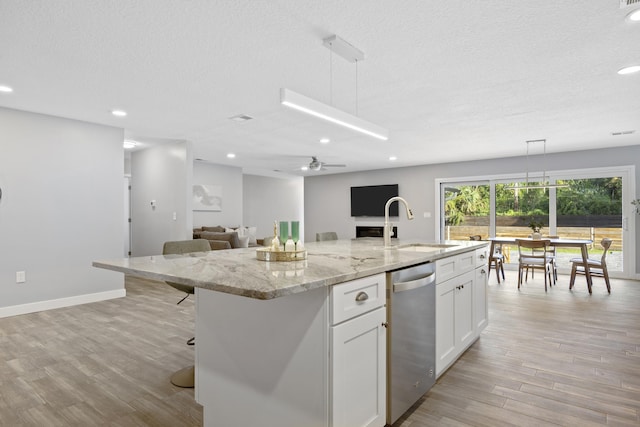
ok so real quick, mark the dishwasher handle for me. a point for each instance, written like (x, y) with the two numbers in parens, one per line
(414, 284)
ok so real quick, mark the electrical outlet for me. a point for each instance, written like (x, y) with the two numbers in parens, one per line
(21, 276)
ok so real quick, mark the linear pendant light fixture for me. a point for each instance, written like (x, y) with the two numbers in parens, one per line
(323, 111)
(544, 184)
(318, 109)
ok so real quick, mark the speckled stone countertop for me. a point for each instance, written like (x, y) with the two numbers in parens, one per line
(239, 272)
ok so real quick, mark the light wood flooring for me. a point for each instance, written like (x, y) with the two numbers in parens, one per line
(105, 363)
(560, 358)
(556, 358)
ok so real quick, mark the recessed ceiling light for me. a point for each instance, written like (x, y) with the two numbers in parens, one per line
(119, 113)
(393, 158)
(6, 89)
(623, 132)
(629, 70)
(634, 16)
(129, 143)
(231, 156)
(325, 140)
(240, 118)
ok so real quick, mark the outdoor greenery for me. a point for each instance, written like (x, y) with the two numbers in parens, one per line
(584, 197)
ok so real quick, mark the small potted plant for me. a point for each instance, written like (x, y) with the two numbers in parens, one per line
(536, 226)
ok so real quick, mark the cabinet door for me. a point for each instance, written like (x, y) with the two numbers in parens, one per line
(480, 308)
(358, 379)
(465, 329)
(454, 319)
(445, 325)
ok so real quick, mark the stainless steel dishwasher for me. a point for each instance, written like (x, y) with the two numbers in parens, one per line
(411, 340)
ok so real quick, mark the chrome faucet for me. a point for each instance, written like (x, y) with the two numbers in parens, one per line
(387, 232)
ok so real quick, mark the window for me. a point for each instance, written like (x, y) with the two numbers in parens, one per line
(591, 207)
(466, 211)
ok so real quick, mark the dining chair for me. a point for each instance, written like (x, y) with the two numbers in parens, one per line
(533, 255)
(554, 260)
(185, 377)
(496, 260)
(597, 267)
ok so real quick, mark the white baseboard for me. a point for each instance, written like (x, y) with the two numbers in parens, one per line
(34, 307)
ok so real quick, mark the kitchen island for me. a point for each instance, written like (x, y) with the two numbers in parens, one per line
(283, 343)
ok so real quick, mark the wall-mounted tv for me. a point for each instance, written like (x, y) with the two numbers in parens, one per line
(370, 200)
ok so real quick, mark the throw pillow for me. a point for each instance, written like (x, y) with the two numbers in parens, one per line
(244, 241)
(251, 232)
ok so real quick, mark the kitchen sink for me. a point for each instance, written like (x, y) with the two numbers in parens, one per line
(425, 247)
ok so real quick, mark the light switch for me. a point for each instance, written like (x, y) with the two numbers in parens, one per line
(21, 276)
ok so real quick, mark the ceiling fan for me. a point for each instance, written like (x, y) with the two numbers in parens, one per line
(317, 165)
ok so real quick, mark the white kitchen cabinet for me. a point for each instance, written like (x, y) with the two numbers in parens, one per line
(358, 374)
(447, 268)
(454, 318)
(316, 358)
(461, 304)
(358, 353)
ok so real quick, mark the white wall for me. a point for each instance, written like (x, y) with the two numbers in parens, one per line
(269, 199)
(230, 180)
(327, 202)
(327, 198)
(162, 173)
(61, 209)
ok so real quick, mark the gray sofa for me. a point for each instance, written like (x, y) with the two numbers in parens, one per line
(221, 238)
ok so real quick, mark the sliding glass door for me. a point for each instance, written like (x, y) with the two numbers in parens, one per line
(591, 206)
(466, 210)
(516, 209)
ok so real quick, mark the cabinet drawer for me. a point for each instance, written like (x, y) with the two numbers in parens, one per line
(453, 266)
(356, 297)
(482, 256)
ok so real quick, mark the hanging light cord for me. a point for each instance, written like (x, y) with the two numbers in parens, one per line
(357, 88)
(544, 161)
(526, 180)
(331, 77)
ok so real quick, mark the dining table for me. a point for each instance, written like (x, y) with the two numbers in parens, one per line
(557, 242)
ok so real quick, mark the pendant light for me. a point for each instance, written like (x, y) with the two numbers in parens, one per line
(323, 111)
(544, 183)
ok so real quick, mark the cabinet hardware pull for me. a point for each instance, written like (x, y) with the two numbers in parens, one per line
(483, 271)
(385, 324)
(482, 256)
(362, 296)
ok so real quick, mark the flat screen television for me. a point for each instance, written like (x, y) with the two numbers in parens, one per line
(370, 200)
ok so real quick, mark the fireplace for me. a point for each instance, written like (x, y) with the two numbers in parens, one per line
(373, 231)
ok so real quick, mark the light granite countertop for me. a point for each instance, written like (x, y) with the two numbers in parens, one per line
(239, 272)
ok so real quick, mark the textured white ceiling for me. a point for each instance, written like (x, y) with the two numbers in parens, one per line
(452, 80)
